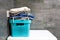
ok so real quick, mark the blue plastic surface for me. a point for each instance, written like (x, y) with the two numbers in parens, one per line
(20, 28)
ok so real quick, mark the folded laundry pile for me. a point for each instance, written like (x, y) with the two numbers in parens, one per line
(20, 20)
(22, 13)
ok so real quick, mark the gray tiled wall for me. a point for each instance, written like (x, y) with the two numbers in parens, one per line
(4, 5)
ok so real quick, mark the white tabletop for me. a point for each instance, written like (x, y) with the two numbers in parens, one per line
(36, 35)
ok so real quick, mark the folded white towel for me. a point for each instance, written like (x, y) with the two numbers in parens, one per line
(16, 10)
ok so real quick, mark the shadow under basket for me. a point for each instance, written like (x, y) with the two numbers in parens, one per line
(20, 28)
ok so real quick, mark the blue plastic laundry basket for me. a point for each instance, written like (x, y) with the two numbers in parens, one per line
(20, 28)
